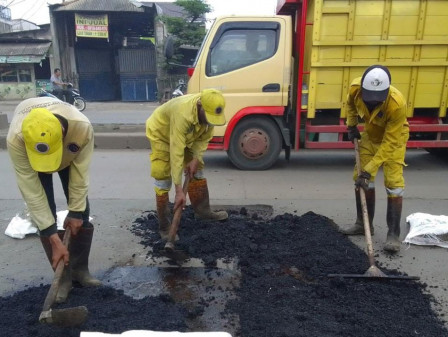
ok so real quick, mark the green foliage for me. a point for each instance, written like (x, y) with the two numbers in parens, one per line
(190, 29)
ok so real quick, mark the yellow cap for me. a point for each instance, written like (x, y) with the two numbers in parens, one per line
(213, 103)
(42, 133)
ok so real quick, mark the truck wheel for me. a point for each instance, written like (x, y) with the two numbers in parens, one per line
(255, 144)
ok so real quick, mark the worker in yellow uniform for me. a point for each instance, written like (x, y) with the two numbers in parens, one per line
(179, 132)
(383, 143)
(47, 136)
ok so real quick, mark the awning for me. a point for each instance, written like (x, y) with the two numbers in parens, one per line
(23, 52)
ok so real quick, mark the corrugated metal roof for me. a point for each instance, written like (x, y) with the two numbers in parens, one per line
(166, 8)
(101, 6)
(24, 49)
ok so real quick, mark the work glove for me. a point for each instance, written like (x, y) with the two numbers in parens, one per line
(363, 180)
(353, 133)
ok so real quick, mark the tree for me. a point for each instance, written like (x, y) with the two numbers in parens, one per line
(188, 30)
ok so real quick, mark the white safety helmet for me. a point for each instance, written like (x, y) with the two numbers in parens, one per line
(375, 84)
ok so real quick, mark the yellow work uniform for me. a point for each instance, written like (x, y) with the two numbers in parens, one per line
(386, 132)
(77, 153)
(176, 137)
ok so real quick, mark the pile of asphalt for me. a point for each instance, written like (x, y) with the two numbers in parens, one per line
(284, 289)
(109, 311)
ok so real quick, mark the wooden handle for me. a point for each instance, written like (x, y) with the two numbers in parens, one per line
(178, 214)
(51, 296)
(365, 214)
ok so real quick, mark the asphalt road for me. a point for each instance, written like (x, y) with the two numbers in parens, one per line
(313, 180)
(103, 112)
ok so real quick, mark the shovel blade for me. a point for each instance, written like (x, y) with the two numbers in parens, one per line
(65, 317)
(176, 255)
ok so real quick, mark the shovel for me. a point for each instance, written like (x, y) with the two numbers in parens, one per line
(373, 272)
(175, 254)
(62, 317)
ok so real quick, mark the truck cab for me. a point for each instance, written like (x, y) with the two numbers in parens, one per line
(242, 60)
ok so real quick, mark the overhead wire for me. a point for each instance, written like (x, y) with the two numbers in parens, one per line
(14, 3)
(37, 9)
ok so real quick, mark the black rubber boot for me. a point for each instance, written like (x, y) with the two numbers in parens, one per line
(163, 213)
(358, 227)
(79, 258)
(199, 197)
(65, 285)
(393, 218)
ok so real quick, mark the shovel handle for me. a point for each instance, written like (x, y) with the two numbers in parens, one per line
(365, 215)
(51, 296)
(177, 215)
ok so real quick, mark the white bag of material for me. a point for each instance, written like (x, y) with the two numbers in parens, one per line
(427, 230)
(61, 215)
(18, 228)
(148, 333)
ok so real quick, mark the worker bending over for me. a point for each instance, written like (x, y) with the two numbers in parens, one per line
(47, 136)
(179, 132)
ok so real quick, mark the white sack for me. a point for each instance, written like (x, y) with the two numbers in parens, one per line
(148, 333)
(18, 228)
(61, 215)
(427, 230)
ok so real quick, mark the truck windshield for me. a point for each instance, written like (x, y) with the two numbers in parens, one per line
(202, 45)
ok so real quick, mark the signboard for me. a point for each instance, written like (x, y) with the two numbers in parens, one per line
(95, 26)
(43, 84)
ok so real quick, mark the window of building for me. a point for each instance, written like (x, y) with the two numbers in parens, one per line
(15, 73)
(24, 75)
(8, 73)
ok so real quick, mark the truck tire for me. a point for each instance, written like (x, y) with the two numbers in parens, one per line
(255, 144)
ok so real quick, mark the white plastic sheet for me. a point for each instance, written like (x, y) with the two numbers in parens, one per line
(427, 230)
(18, 228)
(148, 333)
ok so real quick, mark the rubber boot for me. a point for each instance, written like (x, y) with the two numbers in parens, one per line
(358, 227)
(163, 213)
(393, 218)
(65, 285)
(199, 197)
(79, 258)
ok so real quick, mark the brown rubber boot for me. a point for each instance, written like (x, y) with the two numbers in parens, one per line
(65, 285)
(79, 258)
(358, 227)
(199, 197)
(393, 218)
(163, 213)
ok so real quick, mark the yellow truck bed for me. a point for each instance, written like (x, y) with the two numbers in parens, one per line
(345, 37)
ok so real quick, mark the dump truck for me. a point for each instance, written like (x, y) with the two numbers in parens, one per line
(285, 77)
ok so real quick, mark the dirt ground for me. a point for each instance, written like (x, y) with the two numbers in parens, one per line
(283, 288)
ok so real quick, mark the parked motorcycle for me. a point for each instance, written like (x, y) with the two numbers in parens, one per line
(179, 90)
(78, 101)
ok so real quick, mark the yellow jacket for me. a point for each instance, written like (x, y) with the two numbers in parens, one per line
(77, 153)
(173, 127)
(386, 124)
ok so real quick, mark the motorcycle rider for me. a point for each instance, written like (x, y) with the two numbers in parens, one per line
(58, 87)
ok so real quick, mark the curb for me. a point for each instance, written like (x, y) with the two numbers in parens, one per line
(121, 140)
(110, 137)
